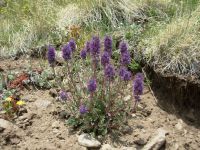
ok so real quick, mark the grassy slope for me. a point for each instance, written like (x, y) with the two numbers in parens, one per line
(164, 31)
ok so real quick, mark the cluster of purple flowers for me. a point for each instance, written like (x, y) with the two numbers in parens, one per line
(92, 85)
(83, 109)
(108, 45)
(138, 86)
(66, 52)
(125, 55)
(63, 95)
(95, 46)
(105, 59)
(72, 44)
(51, 55)
(109, 71)
(125, 74)
(92, 48)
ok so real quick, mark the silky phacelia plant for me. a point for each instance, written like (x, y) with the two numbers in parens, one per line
(66, 52)
(108, 45)
(138, 86)
(92, 85)
(96, 84)
(51, 55)
(63, 95)
(72, 44)
(83, 109)
(105, 59)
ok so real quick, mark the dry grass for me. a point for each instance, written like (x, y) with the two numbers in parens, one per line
(175, 46)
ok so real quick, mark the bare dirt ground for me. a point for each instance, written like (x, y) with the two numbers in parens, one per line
(43, 129)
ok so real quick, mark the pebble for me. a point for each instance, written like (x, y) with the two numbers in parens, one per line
(157, 141)
(56, 124)
(88, 141)
(42, 104)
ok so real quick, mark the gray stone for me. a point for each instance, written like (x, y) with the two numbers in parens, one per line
(42, 104)
(126, 130)
(127, 98)
(107, 147)
(179, 125)
(87, 140)
(157, 141)
(56, 125)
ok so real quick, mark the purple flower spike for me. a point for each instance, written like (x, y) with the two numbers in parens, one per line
(125, 58)
(95, 46)
(92, 85)
(51, 55)
(138, 86)
(87, 47)
(108, 45)
(109, 71)
(127, 76)
(83, 54)
(122, 72)
(123, 47)
(63, 96)
(105, 59)
(66, 52)
(72, 44)
(83, 109)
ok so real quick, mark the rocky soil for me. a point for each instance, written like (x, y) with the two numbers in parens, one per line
(43, 126)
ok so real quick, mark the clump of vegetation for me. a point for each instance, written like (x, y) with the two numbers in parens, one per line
(173, 46)
(95, 86)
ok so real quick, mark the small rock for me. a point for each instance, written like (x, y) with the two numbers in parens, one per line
(179, 125)
(126, 130)
(107, 147)
(56, 125)
(140, 127)
(53, 92)
(42, 104)
(128, 148)
(88, 141)
(157, 141)
(140, 142)
(134, 115)
(127, 98)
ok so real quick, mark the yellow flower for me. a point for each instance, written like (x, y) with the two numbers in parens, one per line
(20, 103)
(9, 99)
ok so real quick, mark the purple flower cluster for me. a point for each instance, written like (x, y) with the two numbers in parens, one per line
(125, 74)
(109, 71)
(95, 46)
(108, 45)
(92, 85)
(125, 55)
(51, 55)
(105, 59)
(72, 44)
(123, 47)
(66, 52)
(63, 95)
(83, 109)
(83, 54)
(138, 86)
(125, 58)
